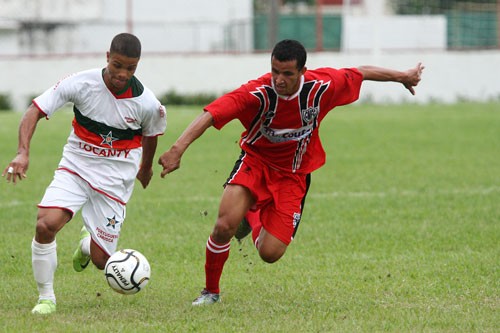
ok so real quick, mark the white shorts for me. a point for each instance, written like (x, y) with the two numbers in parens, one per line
(103, 217)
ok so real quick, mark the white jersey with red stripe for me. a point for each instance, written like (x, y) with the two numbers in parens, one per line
(104, 146)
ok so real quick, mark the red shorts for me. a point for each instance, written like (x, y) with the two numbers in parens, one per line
(279, 195)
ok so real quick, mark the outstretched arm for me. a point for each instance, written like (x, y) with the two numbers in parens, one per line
(19, 165)
(409, 78)
(171, 159)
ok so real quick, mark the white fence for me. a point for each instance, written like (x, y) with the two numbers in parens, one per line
(448, 76)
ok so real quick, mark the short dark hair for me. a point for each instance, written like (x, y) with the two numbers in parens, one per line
(126, 44)
(289, 49)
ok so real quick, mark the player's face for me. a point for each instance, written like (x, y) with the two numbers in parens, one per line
(119, 71)
(286, 76)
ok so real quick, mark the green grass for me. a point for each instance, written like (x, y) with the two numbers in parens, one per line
(400, 233)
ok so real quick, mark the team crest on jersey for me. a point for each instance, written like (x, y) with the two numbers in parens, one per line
(112, 222)
(309, 114)
(108, 139)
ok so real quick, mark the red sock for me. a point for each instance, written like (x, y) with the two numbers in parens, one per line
(253, 218)
(215, 257)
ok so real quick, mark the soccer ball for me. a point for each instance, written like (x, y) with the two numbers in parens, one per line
(127, 271)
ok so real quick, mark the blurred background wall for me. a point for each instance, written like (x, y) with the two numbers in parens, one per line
(214, 46)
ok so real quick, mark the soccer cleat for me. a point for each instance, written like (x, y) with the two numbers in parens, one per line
(243, 230)
(81, 261)
(44, 306)
(206, 298)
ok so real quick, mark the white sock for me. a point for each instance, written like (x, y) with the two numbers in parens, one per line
(85, 246)
(44, 262)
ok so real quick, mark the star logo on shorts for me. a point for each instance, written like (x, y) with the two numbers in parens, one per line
(108, 139)
(112, 222)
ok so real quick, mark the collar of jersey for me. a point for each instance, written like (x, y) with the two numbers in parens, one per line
(289, 97)
(121, 91)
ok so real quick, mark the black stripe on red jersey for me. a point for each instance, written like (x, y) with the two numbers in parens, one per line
(321, 89)
(273, 103)
(308, 95)
(260, 97)
(267, 110)
(304, 96)
(310, 92)
(103, 129)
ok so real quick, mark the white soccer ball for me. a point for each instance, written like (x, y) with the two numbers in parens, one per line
(127, 271)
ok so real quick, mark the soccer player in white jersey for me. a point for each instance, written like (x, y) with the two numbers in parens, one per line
(113, 141)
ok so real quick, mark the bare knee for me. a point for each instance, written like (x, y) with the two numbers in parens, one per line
(49, 222)
(271, 249)
(270, 256)
(44, 231)
(223, 231)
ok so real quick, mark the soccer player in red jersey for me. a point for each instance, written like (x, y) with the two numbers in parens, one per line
(281, 112)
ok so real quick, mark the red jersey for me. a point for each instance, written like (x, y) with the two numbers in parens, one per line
(283, 131)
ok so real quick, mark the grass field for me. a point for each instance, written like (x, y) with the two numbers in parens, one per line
(401, 233)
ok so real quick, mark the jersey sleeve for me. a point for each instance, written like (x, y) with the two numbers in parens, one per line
(346, 85)
(154, 121)
(233, 105)
(56, 96)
